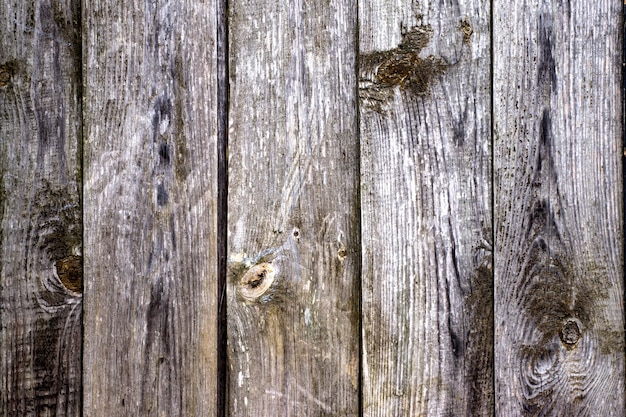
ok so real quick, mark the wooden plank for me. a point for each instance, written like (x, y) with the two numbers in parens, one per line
(424, 86)
(293, 244)
(558, 209)
(40, 212)
(150, 208)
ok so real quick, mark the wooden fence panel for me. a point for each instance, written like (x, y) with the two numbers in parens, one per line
(293, 219)
(150, 208)
(558, 209)
(424, 86)
(40, 213)
(361, 254)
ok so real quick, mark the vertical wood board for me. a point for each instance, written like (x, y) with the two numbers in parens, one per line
(150, 208)
(424, 87)
(293, 223)
(40, 209)
(558, 209)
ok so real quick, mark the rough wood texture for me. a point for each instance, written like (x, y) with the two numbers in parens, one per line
(558, 212)
(150, 208)
(293, 244)
(424, 91)
(40, 214)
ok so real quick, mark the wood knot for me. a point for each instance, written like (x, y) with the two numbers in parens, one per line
(6, 72)
(256, 281)
(70, 272)
(570, 333)
(467, 30)
(5, 77)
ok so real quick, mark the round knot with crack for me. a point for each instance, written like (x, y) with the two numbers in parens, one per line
(256, 281)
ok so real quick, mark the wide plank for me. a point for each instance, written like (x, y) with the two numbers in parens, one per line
(40, 208)
(424, 87)
(150, 198)
(293, 220)
(558, 208)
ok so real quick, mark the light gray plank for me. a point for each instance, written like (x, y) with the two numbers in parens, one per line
(40, 213)
(558, 213)
(426, 201)
(150, 208)
(293, 222)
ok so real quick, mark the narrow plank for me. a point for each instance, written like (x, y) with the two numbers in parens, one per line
(424, 86)
(40, 212)
(293, 222)
(558, 209)
(150, 208)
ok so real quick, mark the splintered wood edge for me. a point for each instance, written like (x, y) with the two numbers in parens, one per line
(256, 281)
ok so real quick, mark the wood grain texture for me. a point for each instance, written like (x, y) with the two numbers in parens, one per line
(40, 213)
(150, 208)
(558, 209)
(424, 86)
(293, 243)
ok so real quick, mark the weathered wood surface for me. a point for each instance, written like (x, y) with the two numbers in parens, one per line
(293, 219)
(558, 209)
(327, 225)
(40, 213)
(424, 86)
(150, 196)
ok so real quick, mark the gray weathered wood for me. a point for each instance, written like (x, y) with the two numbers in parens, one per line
(40, 214)
(293, 244)
(150, 208)
(558, 209)
(424, 91)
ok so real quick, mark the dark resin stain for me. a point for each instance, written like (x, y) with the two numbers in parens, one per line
(402, 66)
(163, 196)
(164, 154)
